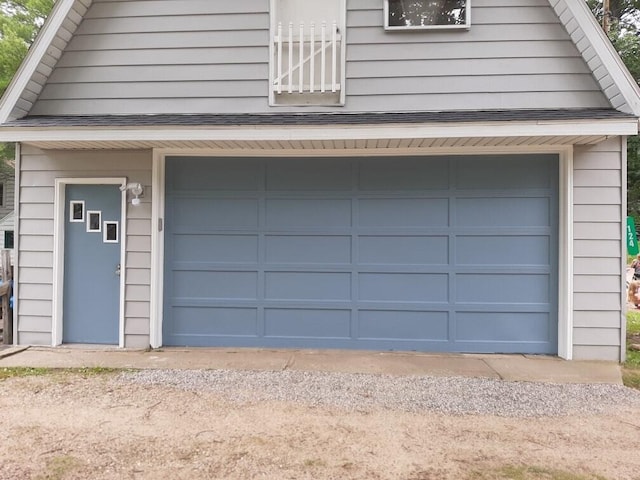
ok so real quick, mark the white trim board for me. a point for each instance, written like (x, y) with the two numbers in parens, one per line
(610, 127)
(565, 231)
(157, 250)
(16, 245)
(565, 255)
(58, 252)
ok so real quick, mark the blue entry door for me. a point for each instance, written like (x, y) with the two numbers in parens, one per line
(91, 307)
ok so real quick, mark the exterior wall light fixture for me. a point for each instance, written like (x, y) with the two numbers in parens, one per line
(136, 190)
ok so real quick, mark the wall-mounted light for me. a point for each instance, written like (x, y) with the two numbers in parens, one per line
(136, 190)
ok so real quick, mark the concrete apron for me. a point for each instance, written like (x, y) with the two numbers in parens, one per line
(516, 368)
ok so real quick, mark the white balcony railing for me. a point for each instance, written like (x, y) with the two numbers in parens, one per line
(307, 58)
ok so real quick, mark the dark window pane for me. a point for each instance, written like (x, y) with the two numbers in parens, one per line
(8, 239)
(423, 13)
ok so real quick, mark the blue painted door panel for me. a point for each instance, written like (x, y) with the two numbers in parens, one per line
(91, 284)
(413, 253)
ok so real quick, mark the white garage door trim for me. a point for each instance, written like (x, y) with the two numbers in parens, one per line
(565, 231)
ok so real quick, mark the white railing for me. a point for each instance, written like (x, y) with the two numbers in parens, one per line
(301, 63)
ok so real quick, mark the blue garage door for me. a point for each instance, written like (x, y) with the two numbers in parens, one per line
(454, 253)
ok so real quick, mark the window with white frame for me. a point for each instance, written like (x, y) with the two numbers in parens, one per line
(426, 14)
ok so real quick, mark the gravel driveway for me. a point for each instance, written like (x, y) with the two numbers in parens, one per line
(228, 424)
(361, 392)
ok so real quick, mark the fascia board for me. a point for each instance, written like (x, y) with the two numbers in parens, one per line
(607, 54)
(37, 51)
(512, 129)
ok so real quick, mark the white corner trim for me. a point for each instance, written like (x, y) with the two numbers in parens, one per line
(58, 252)
(565, 256)
(16, 244)
(623, 249)
(157, 250)
(607, 54)
(37, 51)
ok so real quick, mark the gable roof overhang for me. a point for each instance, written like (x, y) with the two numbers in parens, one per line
(324, 131)
(617, 83)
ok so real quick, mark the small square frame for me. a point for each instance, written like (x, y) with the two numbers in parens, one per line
(76, 211)
(111, 232)
(94, 221)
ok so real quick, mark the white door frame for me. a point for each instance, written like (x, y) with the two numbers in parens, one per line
(58, 251)
(565, 219)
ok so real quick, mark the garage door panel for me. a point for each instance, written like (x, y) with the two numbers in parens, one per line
(300, 175)
(507, 250)
(215, 285)
(307, 323)
(427, 253)
(307, 286)
(403, 287)
(503, 212)
(503, 288)
(403, 250)
(234, 174)
(503, 327)
(204, 248)
(403, 325)
(294, 213)
(211, 213)
(494, 173)
(407, 174)
(403, 212)
(307, 249)
(222, 321)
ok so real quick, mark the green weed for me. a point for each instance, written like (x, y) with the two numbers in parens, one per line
(512, 472)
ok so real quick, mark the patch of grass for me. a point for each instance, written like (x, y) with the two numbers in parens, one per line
(633, 322)
(512, 472)
(10, 372)
(94, 371)
(631, 367)
(314, 462)
(631, 378)
(59, 467)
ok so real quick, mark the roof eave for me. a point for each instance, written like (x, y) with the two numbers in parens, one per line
(566, 128)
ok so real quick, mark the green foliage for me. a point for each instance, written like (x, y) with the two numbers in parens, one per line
(633, 322)
(20, 21)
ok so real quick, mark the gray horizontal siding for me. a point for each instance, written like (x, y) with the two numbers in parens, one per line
(197, 56)
(598, 217)
(39, 169)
